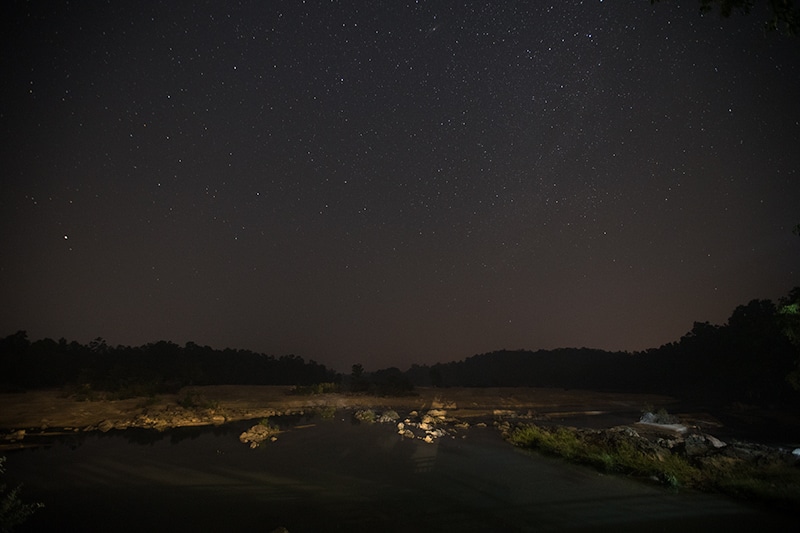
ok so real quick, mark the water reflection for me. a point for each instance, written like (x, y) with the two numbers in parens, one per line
(330, 474)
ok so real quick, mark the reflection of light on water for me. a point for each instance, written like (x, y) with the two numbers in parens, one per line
(345, 475)
(424, 458)
(577, 413)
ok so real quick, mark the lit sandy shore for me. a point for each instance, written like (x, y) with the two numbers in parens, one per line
(45, 409)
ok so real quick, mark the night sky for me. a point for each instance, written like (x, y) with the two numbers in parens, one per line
(393, 182)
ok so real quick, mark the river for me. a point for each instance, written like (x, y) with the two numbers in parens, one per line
(334, 475)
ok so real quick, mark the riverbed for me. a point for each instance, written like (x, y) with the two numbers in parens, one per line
(337, 475)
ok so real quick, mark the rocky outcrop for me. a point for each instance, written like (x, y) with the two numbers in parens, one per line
(707, 458)
(369, 416)
(432, 425)
(258, 434)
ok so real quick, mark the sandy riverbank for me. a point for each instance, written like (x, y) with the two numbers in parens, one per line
(48, 410)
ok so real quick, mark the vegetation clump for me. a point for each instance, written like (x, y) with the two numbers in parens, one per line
(192, 399)
(13, 511)
(613, 451)
(745, 471)
(267, 423)
(317, 388)
(326, 412)
(365, 415)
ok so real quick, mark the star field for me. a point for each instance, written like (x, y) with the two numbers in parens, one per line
(393, 182)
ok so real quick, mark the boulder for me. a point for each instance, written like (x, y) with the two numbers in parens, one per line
(696, 444)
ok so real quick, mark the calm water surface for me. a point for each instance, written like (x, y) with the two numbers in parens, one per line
(337, 476)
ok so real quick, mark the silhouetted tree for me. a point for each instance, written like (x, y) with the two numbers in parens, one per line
(436, 376)
(357, 381)
(390, 382)
(789, 317)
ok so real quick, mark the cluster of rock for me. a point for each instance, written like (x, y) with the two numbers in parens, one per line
(14, 435)
(177, 416)
(258, 434)
(163, 419)
(429, 426)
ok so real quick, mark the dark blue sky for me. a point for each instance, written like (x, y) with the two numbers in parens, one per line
(393, 182)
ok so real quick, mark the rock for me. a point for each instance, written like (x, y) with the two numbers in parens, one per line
(217, 419)
(668, 444)
(626, 431)
(16, 435)
(696, 444)
(503, 426)
(662, 417)
(408, 434)
(388, 417)
(105, 426)
(715, 442)
(437, 413)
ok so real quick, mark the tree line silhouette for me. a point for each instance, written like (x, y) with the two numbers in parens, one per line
(754, 357)
(153, 368)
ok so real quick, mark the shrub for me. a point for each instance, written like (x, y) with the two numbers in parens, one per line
(365, 415)
(317, 388)
(13, 511)
(327, 412)
(194, 400)
(267, 423)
